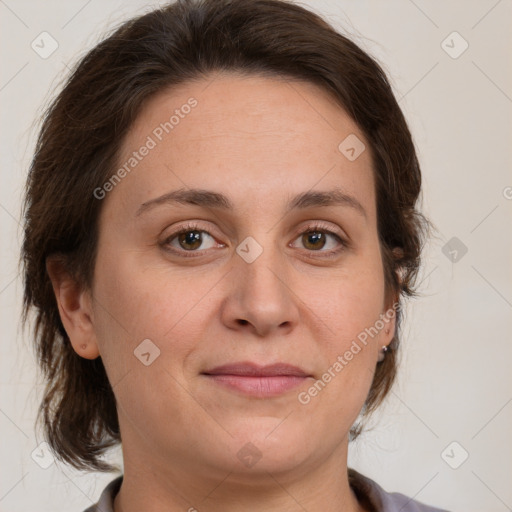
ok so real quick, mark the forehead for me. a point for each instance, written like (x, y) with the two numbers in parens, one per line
(244, 135)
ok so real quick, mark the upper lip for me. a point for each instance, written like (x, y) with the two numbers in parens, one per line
(255, 370)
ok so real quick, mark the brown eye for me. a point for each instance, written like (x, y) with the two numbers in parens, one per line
(313, 240)
(320, 241)
(190, 240)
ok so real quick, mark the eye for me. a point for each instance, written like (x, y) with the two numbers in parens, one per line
(189, 239)
(192, 239)
(318, 238)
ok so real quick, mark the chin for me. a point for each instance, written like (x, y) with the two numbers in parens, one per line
(268, 444)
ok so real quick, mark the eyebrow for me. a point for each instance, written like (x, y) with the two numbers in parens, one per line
(210, 199)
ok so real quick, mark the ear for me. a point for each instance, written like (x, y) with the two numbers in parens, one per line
(389, 317)
(392, 304)
(75, 309)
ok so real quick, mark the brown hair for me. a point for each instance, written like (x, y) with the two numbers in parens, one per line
(80, 139)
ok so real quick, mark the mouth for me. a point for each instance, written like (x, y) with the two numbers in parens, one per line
(259, 381)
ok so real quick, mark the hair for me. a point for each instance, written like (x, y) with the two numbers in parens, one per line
(78, 146)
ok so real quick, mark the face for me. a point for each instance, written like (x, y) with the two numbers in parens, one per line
(278, 263)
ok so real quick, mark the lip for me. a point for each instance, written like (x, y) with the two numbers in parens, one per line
(259, 381)
(249, 369)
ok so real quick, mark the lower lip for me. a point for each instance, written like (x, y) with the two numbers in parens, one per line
(259, 386)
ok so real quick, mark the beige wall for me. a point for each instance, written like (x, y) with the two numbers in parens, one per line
(455, 382)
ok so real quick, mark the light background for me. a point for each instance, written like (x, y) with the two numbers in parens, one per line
(455, 380)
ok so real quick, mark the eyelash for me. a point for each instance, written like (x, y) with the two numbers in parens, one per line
(314, 227)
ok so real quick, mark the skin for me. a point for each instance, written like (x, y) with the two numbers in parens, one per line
(259, 141)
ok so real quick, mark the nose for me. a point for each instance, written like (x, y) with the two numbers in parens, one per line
(260, 298)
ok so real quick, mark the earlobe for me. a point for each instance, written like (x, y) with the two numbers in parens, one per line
(75, 309)
(388, 332)
(389, 317)
(393, 303)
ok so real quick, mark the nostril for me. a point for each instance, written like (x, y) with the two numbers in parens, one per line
(242, 322)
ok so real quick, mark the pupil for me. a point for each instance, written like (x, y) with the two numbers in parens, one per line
(191, 238)
(314, 237)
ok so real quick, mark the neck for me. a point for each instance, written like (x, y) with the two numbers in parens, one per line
(155, 485)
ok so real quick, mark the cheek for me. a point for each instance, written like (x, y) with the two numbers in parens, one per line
(359, 304)
(347, 303)
(133, 305)
(349, 309)
(136, 302)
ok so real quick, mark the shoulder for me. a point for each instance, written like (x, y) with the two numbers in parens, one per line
(373, 496)
(106, 501)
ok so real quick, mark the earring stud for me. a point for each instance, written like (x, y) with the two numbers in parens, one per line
(382, 353)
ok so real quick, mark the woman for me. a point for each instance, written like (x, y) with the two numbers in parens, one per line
(220, 226)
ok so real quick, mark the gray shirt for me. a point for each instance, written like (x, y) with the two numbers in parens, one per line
(370, 494)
